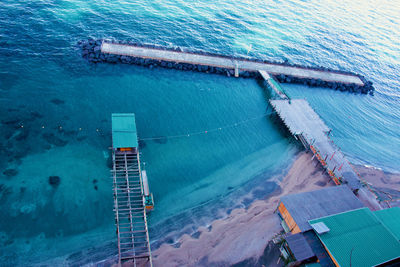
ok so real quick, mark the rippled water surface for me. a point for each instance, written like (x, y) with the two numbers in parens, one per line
(55, 112)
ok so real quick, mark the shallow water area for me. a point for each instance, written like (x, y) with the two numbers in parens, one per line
(62, 168)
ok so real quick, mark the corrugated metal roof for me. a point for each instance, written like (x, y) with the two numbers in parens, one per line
(358, 236)
(317, 247)
(316, 204)
(299, 247)
(391, 219)
(124, 130)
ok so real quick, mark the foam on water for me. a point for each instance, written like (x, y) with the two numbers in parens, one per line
(55, 112)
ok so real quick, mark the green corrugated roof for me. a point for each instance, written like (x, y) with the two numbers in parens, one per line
(124, 130)
(391, 219)
(362, 235)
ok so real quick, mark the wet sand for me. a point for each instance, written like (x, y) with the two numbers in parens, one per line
(244, 233)
(384, 184)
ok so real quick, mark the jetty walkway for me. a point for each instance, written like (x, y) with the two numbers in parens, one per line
(129, 199)
(307, 127)
(228, 63)
(273, 84)
(130, 213)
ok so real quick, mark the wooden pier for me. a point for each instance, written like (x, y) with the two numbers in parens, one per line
(225, 62)
(129, 199)
(305, 125)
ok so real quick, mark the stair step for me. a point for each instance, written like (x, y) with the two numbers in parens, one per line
(134, 232)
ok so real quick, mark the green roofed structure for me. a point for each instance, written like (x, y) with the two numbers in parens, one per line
(390, 218)
(124, 131)
(357, 238)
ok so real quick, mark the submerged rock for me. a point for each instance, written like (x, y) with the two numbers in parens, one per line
(57, 101)
(5, 191)
(12, 121)
(81, 138)
(22, 135)
(10, 172)
(36, 115)
(54, 140)
(54, 180)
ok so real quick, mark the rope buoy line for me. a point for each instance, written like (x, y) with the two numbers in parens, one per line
(205, 131)
(80, 129)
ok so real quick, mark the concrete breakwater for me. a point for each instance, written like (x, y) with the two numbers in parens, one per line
(176, 58)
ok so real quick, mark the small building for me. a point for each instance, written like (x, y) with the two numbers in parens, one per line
(297, 250)
(124, 136)
(297, 209)
(359, 238)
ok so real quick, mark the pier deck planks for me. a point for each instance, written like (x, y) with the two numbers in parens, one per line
(222, 62)
(300, 118)
(130, 213)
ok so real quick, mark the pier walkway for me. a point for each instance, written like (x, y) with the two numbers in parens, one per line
(305, 125)
(129, 198)
(130, 213)
(273, 84)
(224, 62)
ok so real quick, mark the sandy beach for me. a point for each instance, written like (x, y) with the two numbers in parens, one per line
(244, 233)
(384, 184)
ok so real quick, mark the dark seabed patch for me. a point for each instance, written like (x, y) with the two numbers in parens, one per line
(10, 172)
(5, 191)
(54, 180)
(22, 134)
(54, 140)
(36, 115)
(57, 101)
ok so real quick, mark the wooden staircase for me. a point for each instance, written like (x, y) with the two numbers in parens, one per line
(130, 213)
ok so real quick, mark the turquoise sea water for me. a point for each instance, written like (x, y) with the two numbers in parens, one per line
(55, 112)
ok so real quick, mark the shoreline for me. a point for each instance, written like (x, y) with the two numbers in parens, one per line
(385, 185)
(245, 233)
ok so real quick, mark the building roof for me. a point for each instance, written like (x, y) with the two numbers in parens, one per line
(299, 247)
(391, 219)
(124, 130)
(359, 236)
(318, 249)
(320, 203)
